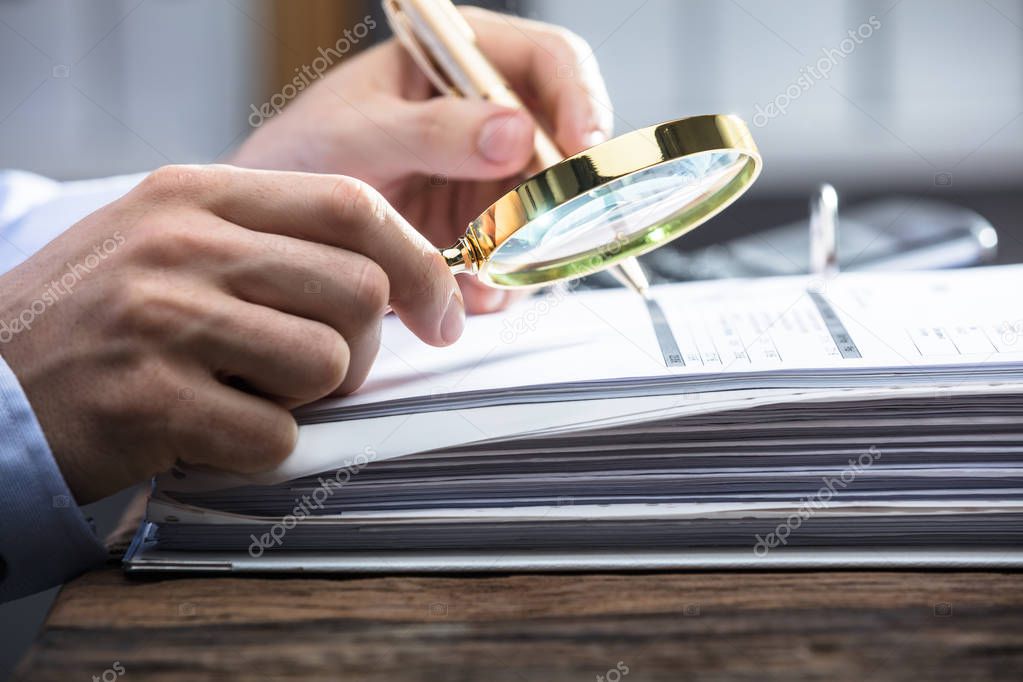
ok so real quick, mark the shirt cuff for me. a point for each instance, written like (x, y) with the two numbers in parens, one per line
(45, 538)
(35, 210)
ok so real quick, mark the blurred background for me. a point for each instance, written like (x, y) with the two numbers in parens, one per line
(97, 87)
(922, 98)
(926, 101)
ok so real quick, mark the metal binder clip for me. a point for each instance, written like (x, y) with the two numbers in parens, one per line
(824, 232)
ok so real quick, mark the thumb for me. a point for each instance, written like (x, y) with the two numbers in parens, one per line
(465, 139)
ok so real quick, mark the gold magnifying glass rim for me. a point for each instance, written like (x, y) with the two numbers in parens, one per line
(595, 167)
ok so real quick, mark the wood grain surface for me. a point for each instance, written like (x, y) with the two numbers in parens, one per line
(657, 626)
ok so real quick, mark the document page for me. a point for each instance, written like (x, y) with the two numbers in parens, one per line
(870, 323)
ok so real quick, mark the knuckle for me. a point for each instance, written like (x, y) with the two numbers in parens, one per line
(149, 310)
(275, 441)
(568, 46)
(139, 375)
(368, 345)
(372, 287)
(431, 128)
(178, 181)
(179, 245)
(354, 201)
(324, 360)
(329, 361)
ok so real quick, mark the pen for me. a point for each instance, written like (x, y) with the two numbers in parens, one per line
(443, 45)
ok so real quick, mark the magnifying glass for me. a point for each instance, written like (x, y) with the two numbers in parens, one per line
(619, 199)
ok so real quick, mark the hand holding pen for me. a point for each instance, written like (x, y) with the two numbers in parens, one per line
(447, 50)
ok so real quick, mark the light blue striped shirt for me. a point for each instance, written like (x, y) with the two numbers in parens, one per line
(45, 538)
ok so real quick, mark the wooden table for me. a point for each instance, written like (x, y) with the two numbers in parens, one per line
(656, 626)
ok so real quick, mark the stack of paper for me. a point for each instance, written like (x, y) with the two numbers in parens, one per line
(870, 419)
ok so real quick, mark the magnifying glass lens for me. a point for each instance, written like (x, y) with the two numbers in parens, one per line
(625, 217)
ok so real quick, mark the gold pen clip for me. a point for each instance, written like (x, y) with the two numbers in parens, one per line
(403, 29)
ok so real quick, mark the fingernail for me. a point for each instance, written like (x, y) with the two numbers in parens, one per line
(504, 137)
(593, 138)
(453, 323)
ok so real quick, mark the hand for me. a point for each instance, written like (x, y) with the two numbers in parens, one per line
(376, 117)
(184, 320)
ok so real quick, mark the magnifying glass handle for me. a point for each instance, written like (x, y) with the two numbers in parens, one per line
(454, 256)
